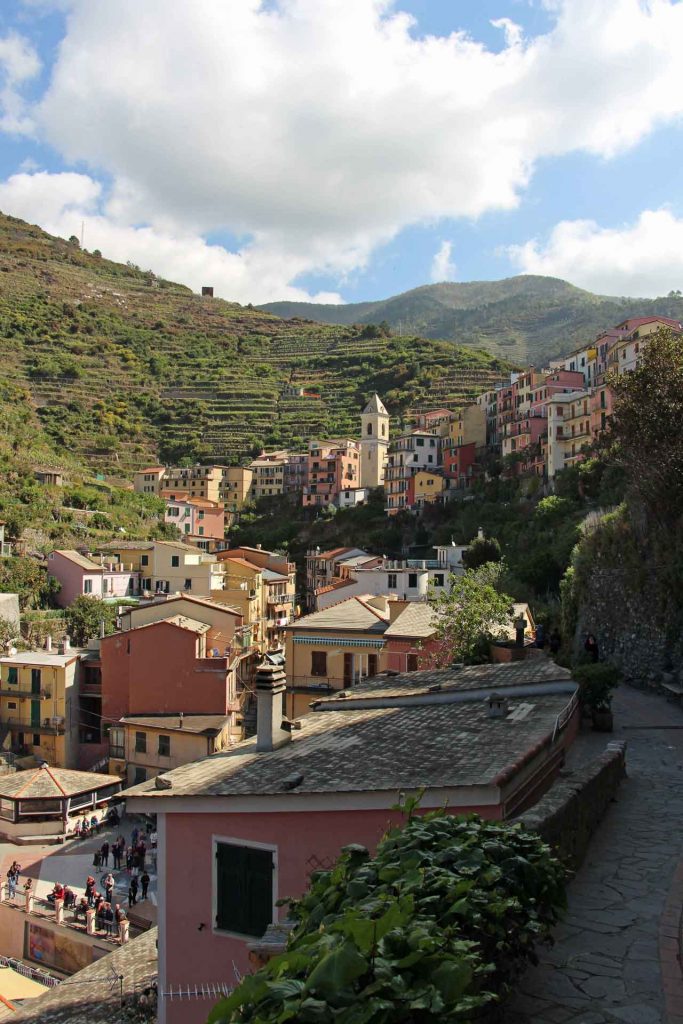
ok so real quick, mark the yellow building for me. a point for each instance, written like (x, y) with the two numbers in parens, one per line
(145, 746)
(235, 487)
(425, 487)
(244, 590)
(268, 478)
(39, 705)
(169, 567)
(467, 425)
(333, 649)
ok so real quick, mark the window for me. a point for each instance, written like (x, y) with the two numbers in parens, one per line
(187, 530)
(244, 889)
(430, 458)
(140, 742)
(175, 561)
(411, 663)
(164, 746)
(139, 775)
(11, 705)
(201, 513)
(12, 675)
(188, 585)
(116, 742)
(420, 442)
(87, 586)
(412, 579)
(438, 579)
(201, 531)
(318, 663)
(392, 581)
(36, 739)
(372, 664)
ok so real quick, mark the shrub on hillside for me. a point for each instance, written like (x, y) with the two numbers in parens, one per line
(436, 926)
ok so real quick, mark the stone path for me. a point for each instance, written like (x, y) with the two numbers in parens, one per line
(615, 957)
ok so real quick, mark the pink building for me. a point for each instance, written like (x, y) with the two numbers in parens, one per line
(332, 466)
(248, 825)
(78, 574)
(199, 520)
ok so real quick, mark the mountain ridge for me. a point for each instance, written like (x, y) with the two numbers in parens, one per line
(526, 318)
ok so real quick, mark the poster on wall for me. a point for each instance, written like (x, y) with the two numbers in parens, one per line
(57, 949)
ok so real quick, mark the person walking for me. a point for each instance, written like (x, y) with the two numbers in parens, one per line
(116, 855)
(134, 837)
(133, 892)
(108, 887)
(591, 647)
(105, 854)
(144, 881)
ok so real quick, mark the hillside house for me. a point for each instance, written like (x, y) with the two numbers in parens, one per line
(259, 817)
(108, 578)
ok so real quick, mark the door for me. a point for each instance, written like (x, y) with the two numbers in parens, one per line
(348, 670)
(35, 712)
(372, 664)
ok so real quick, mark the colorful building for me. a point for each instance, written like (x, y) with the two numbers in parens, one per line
(199, 521)
(409, 453)
(259, 817)
(108, 578)
(374, 444)
(144, 746)
(333, 466)
(39, 704)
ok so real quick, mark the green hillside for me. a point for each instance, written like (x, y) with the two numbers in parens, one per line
(124, 368)
(526, 319)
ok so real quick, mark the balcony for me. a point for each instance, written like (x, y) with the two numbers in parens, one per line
(48, 727)
(25, 694)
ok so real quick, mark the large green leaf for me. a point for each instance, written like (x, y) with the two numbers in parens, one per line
(337, 969)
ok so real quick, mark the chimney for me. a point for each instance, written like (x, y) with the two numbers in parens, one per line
(180, 720)
(497, 705)
(67, 644)
(102, 629)
(270, 686)
(258, 546)
(48, 643)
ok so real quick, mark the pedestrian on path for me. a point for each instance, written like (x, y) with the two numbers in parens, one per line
(116, 855)
(108, 887)
(144, 881)
(109, 919)
(97, 859)
(133, 892)
(591, 647)
(134, 837)
(129, 860)
(120, 915)
(105, 854)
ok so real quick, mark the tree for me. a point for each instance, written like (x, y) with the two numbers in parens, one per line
(27, 578)
(644, 434)
(471, 613)
(84, 617)
(480, 551)
(73, 240)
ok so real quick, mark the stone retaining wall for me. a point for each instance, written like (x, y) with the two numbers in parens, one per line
(569, 813)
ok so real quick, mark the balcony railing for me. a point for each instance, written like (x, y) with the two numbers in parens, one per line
(25, 694)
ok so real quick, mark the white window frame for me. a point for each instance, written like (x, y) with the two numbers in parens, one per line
(251, 844)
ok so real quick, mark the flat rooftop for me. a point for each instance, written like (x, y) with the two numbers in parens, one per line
(406, 736)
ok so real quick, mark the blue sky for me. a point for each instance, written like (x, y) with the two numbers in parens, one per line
(331, 149)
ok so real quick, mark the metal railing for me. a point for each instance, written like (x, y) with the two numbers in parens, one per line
(29, 972)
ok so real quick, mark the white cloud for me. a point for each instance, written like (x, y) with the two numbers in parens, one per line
(318, 129)
(443, 267)
(18, 64)
(641, 259)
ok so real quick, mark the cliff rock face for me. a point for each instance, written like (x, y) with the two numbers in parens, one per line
(626, 598)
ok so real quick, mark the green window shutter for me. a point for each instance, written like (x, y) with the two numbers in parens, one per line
(244, 889)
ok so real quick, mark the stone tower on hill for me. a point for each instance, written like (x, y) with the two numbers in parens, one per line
(374, 443)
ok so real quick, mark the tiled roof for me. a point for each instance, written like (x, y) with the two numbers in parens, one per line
(50, 658)
(182, 621)
(78, 559)
(337, 585)
(270, 576)
(416, 620)
(438, 740)
(353, 614)
(48, 782)
(242, 561)
(375, 405)
(333, 553)
(195, 724)
(470, 677)
(89, 997)
(184, 597)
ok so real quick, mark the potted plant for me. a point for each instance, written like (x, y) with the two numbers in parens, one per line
(596, 683)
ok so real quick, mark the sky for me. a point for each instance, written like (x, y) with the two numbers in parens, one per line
(349, 150)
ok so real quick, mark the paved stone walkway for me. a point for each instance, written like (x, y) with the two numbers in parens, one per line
(615, 957)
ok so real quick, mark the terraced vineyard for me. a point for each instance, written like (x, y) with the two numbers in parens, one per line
(124, 368)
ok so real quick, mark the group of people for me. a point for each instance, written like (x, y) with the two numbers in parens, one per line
(133, 856)
(554, 641)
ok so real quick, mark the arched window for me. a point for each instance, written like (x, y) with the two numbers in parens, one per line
(384, 430)
(369, 428)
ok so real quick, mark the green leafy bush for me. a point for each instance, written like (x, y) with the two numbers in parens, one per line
(436, 926)
(596, 682)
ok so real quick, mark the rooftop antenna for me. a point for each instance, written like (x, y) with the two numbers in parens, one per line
(82, 232)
